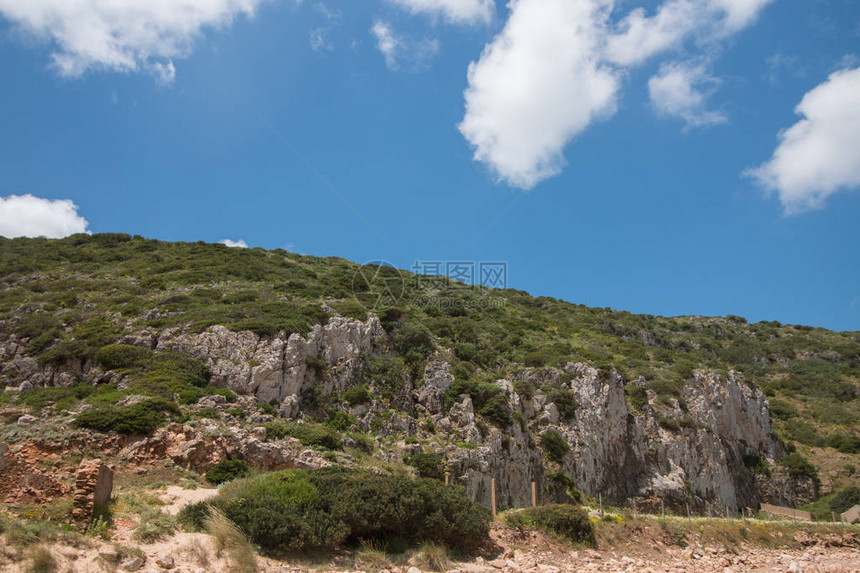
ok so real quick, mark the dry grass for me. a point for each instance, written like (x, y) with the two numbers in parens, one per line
(41, 560)
(197, 552)
(230, 540)
(432, 557)
(371, 557)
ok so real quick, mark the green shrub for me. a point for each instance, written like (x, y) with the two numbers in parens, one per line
(340, 421)
(413, 341)
(670, 424)
(356, 395)
(566, 521)
(228, 470)
(140, 418)
(845, 443)
(526, 390)
(114, 356)
(427, 465)
(497, 410)
(798, 466)
(845, 499)
(324, 508)
(192, 517)
(308, 433)
(565, 401)
(555, 446)
(782, 410)
(638, 396)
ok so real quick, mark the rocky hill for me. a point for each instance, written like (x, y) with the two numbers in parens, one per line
(193, 353)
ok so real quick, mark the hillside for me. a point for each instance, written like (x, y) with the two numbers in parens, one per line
(377, 367)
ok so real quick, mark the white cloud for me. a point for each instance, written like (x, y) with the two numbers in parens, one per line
(29, 216)
(320, 40)
(640, 37)
(681, 90)
(820, 154)
(238, 244)
(523, 105)
(557, 66)
(455, 11)
(398, 49)
(121, 35)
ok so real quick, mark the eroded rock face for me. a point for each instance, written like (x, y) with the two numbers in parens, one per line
(273, 370)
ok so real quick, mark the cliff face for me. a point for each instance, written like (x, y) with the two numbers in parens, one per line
(697, 457)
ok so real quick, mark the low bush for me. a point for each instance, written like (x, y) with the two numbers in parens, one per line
(308, 433)
(295, 510)
(427, 465)
(555, 446)
(356, 395)
(845, 443)
(566, 521)
(114, 356)
(798, 466)
(638, 396)
(845, 499)
(228, 470)
(565, 401)
(140, 418)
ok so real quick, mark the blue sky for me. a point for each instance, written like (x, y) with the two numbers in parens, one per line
(674, 157)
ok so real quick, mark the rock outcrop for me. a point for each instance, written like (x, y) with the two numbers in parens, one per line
(690, 448)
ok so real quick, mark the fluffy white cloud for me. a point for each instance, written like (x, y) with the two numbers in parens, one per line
(536, 86)
(820, 154)
(456, 11)
(681, 90)
(121, 35)
(556, 68)
(399, 49)
(29, 216)
(241, 244)
(639, 37)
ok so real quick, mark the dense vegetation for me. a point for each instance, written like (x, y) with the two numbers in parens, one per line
(298, 510)
(71, 301)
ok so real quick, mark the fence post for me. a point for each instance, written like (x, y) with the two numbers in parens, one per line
(534, 494)
(662, 509)
(727, 514)
(600, 498)
(447, 478)
(688, 512)
(635, 511)
(493, 485)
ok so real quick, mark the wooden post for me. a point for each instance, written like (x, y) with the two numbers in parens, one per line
(600, 498)
(662, 509)
(494, 497)
(534, 494)
(447, 478)
(833, 513)
(635, 511)
(709, 510)
(688, 512)
(727, 513)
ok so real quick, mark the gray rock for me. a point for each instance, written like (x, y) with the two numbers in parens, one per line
(133, 563)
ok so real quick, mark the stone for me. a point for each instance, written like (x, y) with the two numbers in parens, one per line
(133, 563)
(109, 554)
(27, 420)
(165, 561)
(413, 570)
